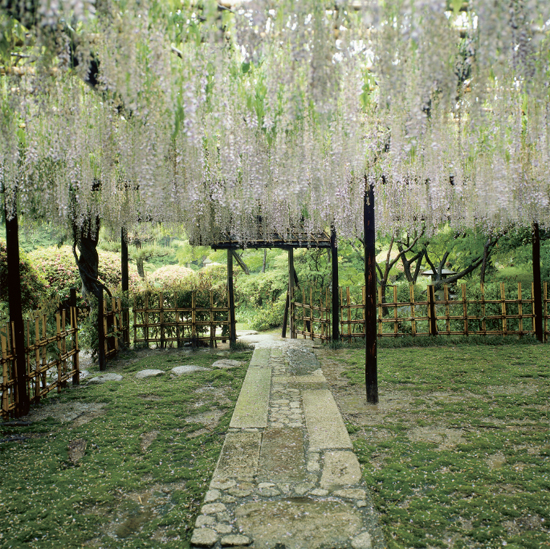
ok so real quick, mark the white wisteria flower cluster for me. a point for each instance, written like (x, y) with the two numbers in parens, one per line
(223, 117)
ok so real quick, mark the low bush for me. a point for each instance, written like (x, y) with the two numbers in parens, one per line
(61, 272)
(33, 283)
(170, 276)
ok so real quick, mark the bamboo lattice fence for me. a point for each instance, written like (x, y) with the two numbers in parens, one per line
(499, 312)
(113, 326)
(55, 354)
(313, 315)
(187, 317)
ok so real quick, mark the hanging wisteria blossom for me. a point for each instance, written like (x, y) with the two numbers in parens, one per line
(279, 114)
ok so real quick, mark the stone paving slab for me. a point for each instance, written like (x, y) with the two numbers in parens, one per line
(239, 456)
(282, 456)
(287, 477)
(253, 402)
(325, 425)
(260, 358)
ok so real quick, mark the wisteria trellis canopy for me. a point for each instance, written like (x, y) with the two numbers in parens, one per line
(211, 114)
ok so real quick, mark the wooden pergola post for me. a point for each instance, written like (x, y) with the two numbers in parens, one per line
(16, 315)
(291, 291)
(101, 331)
(335, 286)
(125, 284)
(537, 283)
(371, 366)
(230, 291)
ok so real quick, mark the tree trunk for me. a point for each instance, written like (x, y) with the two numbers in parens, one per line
(86, 239)
(264, 264)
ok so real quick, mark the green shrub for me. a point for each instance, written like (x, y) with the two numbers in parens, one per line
(61, 272)
(171, 276)
(33, 283)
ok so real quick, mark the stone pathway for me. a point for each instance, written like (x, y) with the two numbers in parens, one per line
(287, 477)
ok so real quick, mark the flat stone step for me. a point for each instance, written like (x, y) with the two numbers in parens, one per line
(239, 456)
(325, 426)
(253, 402)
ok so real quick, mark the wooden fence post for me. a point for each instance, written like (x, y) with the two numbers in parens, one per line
(74, 326)
(537, 282)
(431, 310)
(101, 332)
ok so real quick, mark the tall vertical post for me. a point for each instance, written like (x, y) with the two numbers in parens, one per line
(291, 291)
(431, 310)
(74, 324)
(16, 314)
(230, 291)
(124, 273)
(101, 332)
(371, 366)
(537, 283)
(335, 286)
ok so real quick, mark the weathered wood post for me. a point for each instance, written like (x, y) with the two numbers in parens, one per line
(291, 291)
(285, 317)
(537, 283)
(73, 313)
(101, 331)
(125, 284)
(371, 359)
(16, 315)
(431, 310)
(230, 291)
(335, 286)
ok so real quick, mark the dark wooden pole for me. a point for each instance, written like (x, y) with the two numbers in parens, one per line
(101, 332)
(431, 309)
(16, 315)
(371, 365)
(537, 282)
(285, 317)
(76, 358)
(291, 291)
(230, 290)
(125, 284)
(335, 286)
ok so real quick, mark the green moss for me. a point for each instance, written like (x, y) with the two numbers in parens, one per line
(489, 484)
(119, 494)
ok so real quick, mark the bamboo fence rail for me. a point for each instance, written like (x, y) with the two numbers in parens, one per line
(56, 354)
(113, 326)
(313, 316)
(439, 313)
(165, 322)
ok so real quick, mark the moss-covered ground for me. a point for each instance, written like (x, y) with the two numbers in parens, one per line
(150, 449)
(457, 452)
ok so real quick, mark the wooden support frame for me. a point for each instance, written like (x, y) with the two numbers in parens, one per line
(291, 293)
(16, 314)
(537, 284)
(371, 360)
(231, 299)
(335, 285)
(125, 284)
